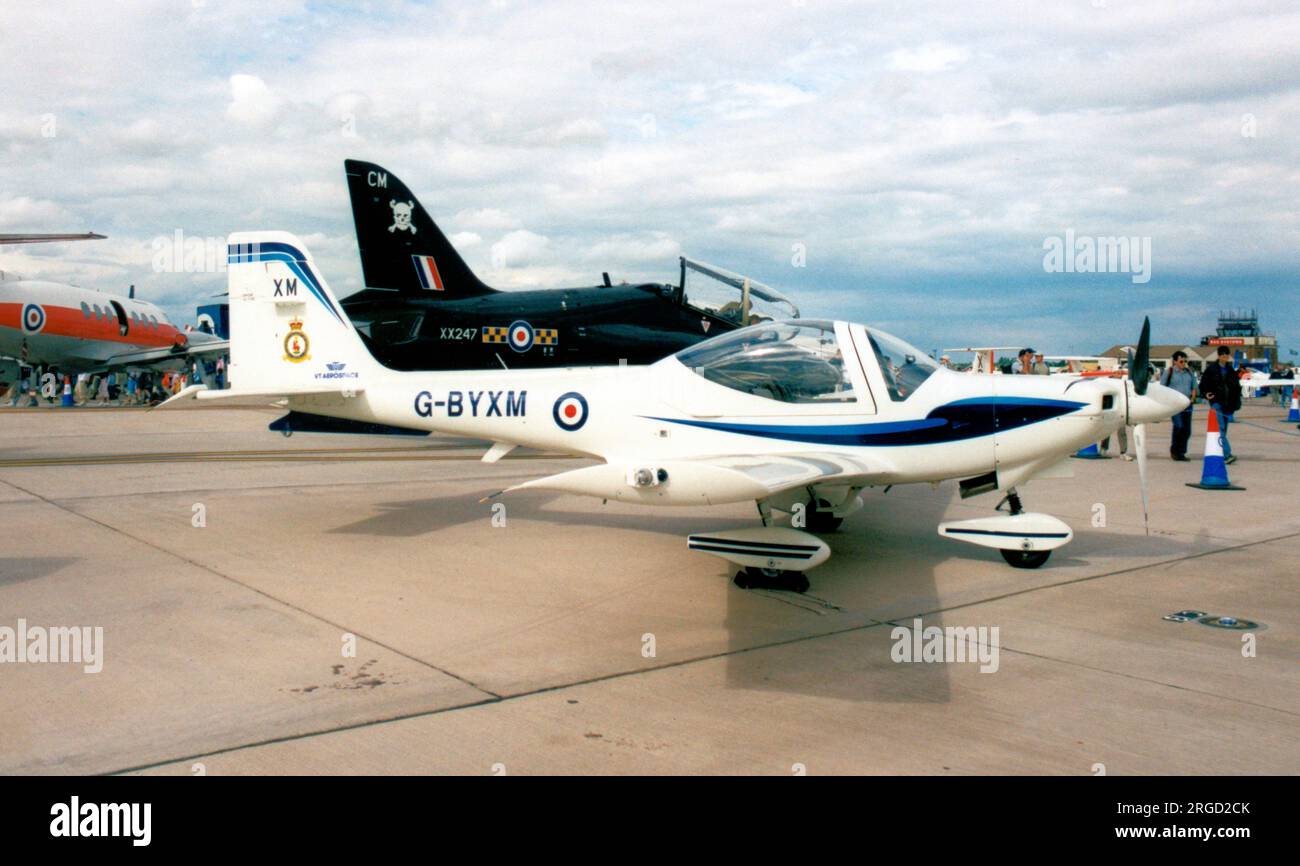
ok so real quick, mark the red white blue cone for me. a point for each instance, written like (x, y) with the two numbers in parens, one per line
(1214, 472)
(1294, 415)
(67, 391)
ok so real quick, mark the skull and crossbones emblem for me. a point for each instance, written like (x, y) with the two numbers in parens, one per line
(402, 216)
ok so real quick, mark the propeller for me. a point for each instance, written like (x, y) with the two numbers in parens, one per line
(1139, 372)
(1139, 365)
(1140, 445)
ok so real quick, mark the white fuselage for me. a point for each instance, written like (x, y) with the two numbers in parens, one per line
(667, 412)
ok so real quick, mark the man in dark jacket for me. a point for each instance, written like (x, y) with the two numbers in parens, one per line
(1182, 380)
(1221, 388)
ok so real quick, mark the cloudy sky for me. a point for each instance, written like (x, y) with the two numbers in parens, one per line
(900, 164)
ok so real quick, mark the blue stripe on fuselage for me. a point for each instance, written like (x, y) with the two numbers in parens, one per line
(952, 422)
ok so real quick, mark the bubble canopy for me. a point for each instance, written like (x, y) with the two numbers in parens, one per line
(803, 362)
(791, 362)
(904, 366)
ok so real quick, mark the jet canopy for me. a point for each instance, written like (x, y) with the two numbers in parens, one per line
(733, 297)
(790, 361)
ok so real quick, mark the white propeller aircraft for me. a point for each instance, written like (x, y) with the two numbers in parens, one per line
(82, 330)
(798, 416)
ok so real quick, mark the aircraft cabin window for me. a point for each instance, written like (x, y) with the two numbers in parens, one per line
(85, 309)
(904, 367)
(99, 314)
(784, 361)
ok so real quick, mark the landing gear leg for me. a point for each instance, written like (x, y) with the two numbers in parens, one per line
(1012, 499)
(1020, 558)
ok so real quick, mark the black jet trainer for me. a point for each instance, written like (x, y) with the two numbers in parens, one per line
(424, 309)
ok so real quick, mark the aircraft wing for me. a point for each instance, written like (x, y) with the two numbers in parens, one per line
(712, 480)
(47, 238)
(778, 474)
(147, 357)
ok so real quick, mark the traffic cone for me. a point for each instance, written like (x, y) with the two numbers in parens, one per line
(1294, 415)
(1092, 452)
(1214, 472)
(67, 392)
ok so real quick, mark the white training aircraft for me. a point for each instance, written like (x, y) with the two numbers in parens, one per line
(798, 416)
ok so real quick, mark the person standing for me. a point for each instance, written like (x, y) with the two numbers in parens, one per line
(1221, 388)
(1282, 394)
(1182, 380)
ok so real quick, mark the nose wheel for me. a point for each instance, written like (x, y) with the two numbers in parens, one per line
(1024, 539)
(1025, 558)
(771, 578)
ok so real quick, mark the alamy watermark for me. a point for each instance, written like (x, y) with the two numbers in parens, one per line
(1084, 254)
(26, 644)
(178, 254)
(933, 644)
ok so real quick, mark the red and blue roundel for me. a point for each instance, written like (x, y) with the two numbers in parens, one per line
(520, 336)
(570, 411)
(33, 318)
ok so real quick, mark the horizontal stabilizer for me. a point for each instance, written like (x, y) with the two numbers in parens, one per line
(202, 392)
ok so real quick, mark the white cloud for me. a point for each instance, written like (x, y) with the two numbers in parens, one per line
(22, 213)
(657, 248)
(931, 57)
(251, 101)
(935, 143)
(486, 219)
(518, 249)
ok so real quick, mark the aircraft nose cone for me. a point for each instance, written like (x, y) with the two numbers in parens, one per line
(1157, 404)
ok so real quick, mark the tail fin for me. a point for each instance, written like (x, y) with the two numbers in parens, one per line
(288, 334)
(401, 247)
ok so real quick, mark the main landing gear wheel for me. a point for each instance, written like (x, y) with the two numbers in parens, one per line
(819, 520)
(771, 578)
(823, 521)
(1025, 558)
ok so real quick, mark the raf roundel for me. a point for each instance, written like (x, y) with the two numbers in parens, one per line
(521, 336)
(33, 318)
(570, 411)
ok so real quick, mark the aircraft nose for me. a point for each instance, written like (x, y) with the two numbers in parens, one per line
(1157, 404)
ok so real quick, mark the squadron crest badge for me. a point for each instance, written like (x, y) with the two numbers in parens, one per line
(296, 344)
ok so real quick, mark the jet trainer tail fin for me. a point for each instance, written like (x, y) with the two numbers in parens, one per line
(288, 333)
(402, 249)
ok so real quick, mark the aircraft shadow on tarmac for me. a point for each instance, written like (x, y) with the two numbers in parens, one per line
(423, 516)
(871, 543)
(21, 569)
(883, 573)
